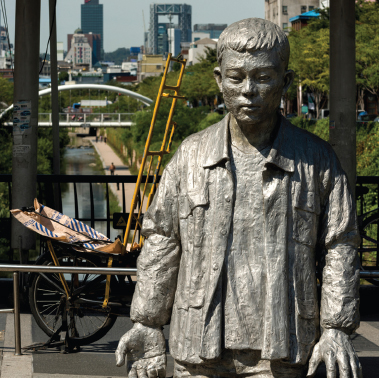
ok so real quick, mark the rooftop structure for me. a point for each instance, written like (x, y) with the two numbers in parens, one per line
(280, 11)
(302, 20)
(150, 65)
(184, 13)
(198, 49)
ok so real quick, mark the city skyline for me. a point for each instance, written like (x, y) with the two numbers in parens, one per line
(123, 24)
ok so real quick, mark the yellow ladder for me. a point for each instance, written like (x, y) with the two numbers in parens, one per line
(169, 132)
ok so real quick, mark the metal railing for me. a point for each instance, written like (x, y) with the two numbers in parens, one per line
(366, 203)
(16, 269)
(85, 120)
(47, 185)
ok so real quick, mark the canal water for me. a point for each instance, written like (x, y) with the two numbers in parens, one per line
(80, 159)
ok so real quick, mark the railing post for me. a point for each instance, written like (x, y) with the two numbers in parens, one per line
(16, 304)
(119, 117)
(102, 118)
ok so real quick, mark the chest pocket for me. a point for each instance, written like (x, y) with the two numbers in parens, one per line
(306, 208)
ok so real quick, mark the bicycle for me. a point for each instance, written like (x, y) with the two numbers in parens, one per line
(75, 309)
(87, 318)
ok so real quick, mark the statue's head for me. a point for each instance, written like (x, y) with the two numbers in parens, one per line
(253, 73)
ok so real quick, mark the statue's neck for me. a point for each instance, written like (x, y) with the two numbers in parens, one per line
(249, 138)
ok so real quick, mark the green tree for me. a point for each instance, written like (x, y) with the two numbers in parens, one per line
(310, 60)
(199, 83)
(63, 76)
(117, 56)
(210, 56)
(367, 53)
(6, 91)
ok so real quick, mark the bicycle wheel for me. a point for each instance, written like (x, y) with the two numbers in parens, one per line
(87, 320)
(369, 246)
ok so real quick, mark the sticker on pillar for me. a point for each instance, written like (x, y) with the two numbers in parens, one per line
(21, 150)
(22, 111)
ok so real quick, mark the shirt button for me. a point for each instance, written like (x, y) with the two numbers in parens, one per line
(223, 231)
(215, 267)
(227, 198)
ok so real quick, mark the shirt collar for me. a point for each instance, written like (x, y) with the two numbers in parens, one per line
(281, 153)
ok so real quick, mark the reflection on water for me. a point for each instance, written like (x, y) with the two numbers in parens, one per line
(81, 161)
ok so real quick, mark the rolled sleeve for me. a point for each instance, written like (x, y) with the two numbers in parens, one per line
(340, 286)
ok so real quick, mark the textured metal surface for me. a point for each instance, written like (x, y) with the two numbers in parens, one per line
(302, 211)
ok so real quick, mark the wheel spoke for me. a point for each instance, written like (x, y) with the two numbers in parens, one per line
(88, 290)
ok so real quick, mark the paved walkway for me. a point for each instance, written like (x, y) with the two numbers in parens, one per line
(107, 157)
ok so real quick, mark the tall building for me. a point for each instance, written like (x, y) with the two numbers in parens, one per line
(6, 53)
(280, 11)
(211, 31)
(92, 21)
(60, 51)
(80, 53)
(174, 40)
(94, 41)
(158, 32)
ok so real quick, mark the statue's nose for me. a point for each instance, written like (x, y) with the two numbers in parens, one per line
(249, 88)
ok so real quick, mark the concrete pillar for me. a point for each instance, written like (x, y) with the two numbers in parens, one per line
(26, 84)
(54, 87)
(342, 85)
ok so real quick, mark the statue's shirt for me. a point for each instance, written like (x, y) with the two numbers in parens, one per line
(244, 294)
(306, 209)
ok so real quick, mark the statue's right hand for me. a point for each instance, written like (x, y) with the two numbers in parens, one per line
(145, 349)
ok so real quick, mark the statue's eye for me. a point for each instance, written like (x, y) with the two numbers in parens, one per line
(235, 79)
(264, 78)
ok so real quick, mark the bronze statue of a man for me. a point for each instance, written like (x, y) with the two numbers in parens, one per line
(244, 210)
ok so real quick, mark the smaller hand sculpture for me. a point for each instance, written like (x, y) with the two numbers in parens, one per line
(335, 347)
(145, 348)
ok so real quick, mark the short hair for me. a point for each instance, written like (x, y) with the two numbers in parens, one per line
(253, 34)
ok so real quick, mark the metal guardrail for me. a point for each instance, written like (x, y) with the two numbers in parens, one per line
(16, 269)
(49, 184)
(77, 119)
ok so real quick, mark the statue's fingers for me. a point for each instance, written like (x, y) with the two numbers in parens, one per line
(161, 372)
(152, 373)
(314, 361)
(355, 365)
(141, 373)
(121, 350)
(133, 373)
(343, 365)
(330, 364)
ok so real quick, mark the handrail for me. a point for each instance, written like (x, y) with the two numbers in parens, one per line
(102, 179)
(65, 269)
(61, 269)
(46, 269)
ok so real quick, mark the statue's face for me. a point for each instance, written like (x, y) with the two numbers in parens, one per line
(252, 84)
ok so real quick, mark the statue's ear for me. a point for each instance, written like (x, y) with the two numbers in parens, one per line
(288, 79)
(218, 77)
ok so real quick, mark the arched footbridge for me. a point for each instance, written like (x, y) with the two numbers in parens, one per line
(88, 119)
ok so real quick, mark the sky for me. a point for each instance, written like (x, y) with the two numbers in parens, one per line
(123, 21)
